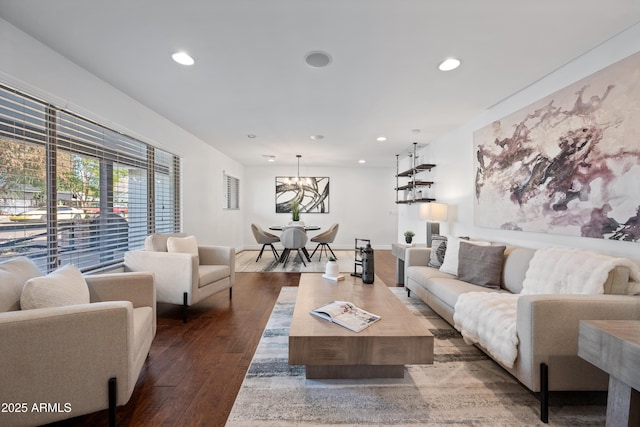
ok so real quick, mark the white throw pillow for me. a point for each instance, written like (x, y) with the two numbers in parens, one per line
(450, 263)
(183, 245)
(62, 287)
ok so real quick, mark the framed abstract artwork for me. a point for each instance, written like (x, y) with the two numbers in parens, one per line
(311, 192)
(567, 164)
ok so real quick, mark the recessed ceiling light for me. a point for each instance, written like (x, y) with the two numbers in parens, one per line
(318, 59)
(317, 137)
(415, 130)
(381, 138)
(269, 157)
(183, 58)
(251, 136)
(449, 64)
(362, 161)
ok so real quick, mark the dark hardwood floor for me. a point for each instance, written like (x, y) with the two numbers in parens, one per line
(194, 371)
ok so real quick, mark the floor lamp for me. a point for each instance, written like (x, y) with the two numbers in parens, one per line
(433, 212)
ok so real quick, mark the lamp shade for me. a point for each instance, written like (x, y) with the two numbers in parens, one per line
(434, 211)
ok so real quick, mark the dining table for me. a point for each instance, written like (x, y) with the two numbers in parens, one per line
(306, 227)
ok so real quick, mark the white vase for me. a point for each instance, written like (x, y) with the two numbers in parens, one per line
(331, 269)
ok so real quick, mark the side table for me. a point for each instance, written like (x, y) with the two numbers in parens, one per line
(614, 347)
(397, 250)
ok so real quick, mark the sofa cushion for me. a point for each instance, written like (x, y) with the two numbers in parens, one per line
(480, 265)
(212, 273)
(64, 286)
(516, 264)
(617, 281)
(422, 275)
(183, 245)
(14, 273)
(158, 242)
(448, 289)
(438, 249)
(450, 263)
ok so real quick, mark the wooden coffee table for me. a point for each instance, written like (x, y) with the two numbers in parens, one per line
(379, 351)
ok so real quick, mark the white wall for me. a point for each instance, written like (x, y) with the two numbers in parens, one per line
(361, 200)
(30, 66)
(453, 155)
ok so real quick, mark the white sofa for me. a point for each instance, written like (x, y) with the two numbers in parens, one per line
(82, 357)
(546, 325)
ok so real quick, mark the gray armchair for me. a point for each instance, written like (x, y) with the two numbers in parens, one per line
(86, 356)
(184, 278)
(323, 239)
(294, 238)
(266, 239)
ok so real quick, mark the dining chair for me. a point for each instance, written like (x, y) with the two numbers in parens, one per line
(293, 238)
(266, 239)
(323, 239)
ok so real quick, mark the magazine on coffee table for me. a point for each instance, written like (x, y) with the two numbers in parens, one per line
(347, 315)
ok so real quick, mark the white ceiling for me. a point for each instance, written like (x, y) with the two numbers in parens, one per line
(250, 76)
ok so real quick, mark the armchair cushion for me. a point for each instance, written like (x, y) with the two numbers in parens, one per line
(62, 287)
(13, 275)
(212, 273)
(183, 245)
(158, 242)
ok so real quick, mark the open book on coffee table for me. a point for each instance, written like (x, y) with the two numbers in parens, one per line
(347, 315)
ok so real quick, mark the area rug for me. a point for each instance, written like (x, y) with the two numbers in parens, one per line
(246, 262)
(463, 387)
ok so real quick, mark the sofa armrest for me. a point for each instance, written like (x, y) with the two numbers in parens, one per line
(137, 288)
(175, 273)
(416, 256)
(547, 327)
(219, 255)
(66, 354)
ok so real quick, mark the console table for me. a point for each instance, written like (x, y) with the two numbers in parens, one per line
(614, 347)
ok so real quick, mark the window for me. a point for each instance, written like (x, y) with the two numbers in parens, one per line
(231, 192)
(73, 191)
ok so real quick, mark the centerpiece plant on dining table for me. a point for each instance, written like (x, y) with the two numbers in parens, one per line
(295, 210)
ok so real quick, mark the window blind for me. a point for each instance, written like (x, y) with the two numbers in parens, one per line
(74, 191)
(231, 192)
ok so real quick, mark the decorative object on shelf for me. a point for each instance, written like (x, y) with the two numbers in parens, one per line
(331, 268)
(573, 161)
(408, 236)
(433, 212)
(414, 189)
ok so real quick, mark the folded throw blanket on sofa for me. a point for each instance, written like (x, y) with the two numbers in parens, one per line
(570, 271)
(489, 319)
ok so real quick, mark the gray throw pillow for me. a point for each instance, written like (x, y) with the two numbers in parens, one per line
(481, 265)
(438, 248)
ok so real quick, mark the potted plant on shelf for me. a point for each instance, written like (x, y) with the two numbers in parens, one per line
(295, 211)
(331, 268)
(408, 236)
